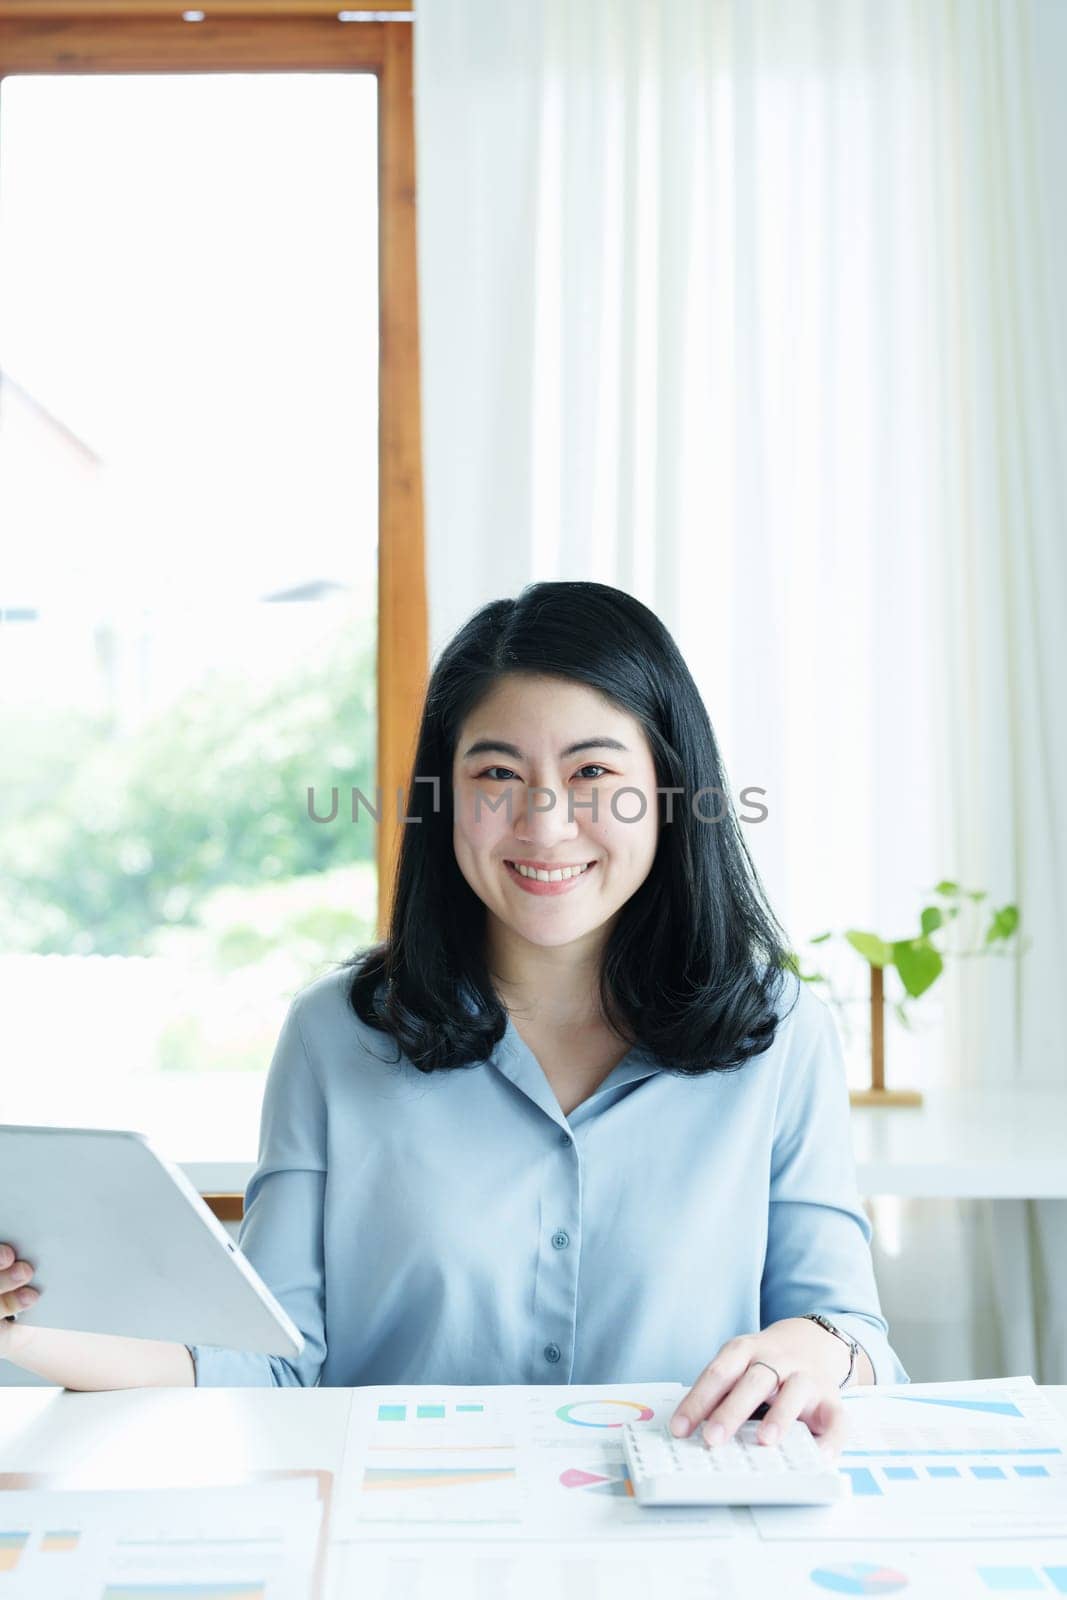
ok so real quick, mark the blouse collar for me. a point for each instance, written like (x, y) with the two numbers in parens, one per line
(514, 1058)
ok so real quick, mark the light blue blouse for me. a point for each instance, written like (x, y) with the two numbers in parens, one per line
(457, 1228)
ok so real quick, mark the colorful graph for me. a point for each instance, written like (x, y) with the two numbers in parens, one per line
(603, 1413)
(1024, 1580)
(616, 1482)
(991, 1407)
(184, 1591)
(1042, 1450)
(59, 1539)
(377, 1478)
(864, 1481)
(425, 1412)
(11, 1548)
(860, 1577)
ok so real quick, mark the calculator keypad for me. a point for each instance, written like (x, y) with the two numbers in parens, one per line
(666, 1470)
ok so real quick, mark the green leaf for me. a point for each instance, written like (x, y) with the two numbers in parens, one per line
(1004, 923)
(918, 963)
(977, 894)
(947, 887)
(931, 919)
(870, 947)
(820, 938)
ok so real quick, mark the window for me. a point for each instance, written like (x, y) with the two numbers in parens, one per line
(191, 638)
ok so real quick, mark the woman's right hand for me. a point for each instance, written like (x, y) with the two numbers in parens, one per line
(13, 1275)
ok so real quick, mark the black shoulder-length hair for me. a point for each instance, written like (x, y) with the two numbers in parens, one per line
(694, 965)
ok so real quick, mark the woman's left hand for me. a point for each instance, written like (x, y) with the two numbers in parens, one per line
(806, 1358)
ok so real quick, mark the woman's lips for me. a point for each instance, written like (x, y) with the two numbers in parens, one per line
(536, 886)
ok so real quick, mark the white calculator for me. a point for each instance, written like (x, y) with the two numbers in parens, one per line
(666, 1471)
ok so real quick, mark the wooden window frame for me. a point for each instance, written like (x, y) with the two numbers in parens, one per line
(77, 36)
(113, 36)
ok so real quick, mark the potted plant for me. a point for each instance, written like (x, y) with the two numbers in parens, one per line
(919, 961)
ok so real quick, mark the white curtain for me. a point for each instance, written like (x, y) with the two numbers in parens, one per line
(750, 309)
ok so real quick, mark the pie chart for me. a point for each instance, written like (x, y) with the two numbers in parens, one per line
(604, 1413)
(860, 1577)
(615, 1481)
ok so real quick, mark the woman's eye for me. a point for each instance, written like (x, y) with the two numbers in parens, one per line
(591, 766)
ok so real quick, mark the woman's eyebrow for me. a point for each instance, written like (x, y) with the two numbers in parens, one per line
(500, 747)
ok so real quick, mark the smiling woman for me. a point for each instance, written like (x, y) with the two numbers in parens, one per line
(610, 1142)
(664, 937)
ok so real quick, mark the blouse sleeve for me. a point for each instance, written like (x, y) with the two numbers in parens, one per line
(818, 1239)
(281, 1230)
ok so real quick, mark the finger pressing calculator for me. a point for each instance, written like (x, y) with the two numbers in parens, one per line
(666, 1471)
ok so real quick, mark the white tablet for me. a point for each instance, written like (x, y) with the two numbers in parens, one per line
(122, 1243)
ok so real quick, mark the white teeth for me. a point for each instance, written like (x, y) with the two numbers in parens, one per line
(552, 877)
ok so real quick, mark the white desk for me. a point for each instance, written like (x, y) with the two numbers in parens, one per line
(965, 1144)
(148, 1438)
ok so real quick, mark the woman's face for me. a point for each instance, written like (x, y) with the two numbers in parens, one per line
(529, 800)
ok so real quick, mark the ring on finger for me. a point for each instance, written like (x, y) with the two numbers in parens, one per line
(716, 1431)
(777, 1379)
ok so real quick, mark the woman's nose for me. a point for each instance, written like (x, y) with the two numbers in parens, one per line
(544, 815)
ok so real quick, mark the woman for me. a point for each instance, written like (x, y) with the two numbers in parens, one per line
(576, 1120)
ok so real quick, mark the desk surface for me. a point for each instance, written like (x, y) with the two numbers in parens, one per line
(965, 1144)
(154, 1438)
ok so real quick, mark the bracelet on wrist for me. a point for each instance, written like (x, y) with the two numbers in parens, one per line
(853, 1345)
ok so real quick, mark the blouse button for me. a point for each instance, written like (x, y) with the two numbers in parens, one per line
(551, 1352)
(561, 1240)
(564, 1138)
